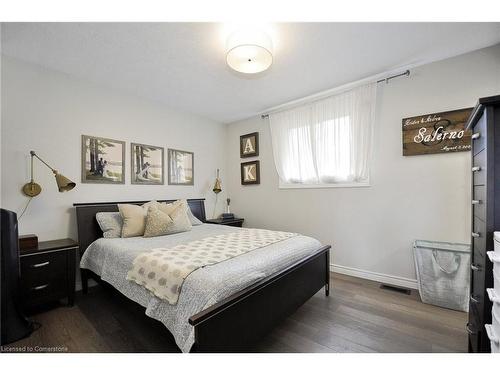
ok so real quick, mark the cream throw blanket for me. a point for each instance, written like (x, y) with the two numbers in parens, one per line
(162, 271)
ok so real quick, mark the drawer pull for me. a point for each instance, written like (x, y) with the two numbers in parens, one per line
(491, 334)
(476, 135)
(473, 299)
(476, 201)
(40, 287)
(474, 234)
(38, 265)
(494, 257)
(476, 169)
(475, 267)
(469, 330)
(493, 295)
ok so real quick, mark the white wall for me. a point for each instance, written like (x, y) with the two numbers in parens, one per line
(48, 112)
(419, 197)
(371, 229)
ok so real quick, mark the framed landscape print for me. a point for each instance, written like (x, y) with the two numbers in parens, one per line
(180, 167)
(249, 145)
(103, 160)
(147, 164)
(250, 173)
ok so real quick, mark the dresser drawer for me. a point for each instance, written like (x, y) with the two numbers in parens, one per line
(479, 168)
(479, 237)
(479, 136)
(473, 328)
(479, 202)
(477, 294)
(478, 259)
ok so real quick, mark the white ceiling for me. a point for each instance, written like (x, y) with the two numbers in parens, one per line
(183, 64)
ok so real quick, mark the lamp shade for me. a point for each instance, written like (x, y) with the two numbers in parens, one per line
(249, 51)
(217, 186)
(63, 183)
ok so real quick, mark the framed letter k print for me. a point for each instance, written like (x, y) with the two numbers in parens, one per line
(250, 173)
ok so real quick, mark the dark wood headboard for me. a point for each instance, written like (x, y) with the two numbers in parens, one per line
(89, 230)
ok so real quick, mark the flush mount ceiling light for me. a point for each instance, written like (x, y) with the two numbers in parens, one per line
(249, 51)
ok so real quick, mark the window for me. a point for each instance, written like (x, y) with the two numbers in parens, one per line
(325, 143)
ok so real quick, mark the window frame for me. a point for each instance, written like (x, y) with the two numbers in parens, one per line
(333, 185)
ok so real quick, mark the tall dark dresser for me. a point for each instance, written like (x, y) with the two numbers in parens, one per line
(484, 123)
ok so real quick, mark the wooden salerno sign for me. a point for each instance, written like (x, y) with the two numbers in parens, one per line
(436, 133)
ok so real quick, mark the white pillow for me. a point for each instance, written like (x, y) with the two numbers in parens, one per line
(110, 223)
(193, 219)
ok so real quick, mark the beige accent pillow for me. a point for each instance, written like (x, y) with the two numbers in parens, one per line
(168, 208)
(134, 218)
(158, 223)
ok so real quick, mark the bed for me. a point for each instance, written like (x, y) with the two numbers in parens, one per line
(223, 307)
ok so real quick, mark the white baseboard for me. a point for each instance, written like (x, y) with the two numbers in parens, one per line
(375, 276)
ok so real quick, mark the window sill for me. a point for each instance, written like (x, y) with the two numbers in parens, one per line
(283, 185)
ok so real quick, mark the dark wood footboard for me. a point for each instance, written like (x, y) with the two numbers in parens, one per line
(245, 317)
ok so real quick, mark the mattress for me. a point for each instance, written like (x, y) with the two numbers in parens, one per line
(112, 258)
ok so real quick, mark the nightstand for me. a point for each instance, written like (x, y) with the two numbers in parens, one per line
(48, 272)
(235, 222)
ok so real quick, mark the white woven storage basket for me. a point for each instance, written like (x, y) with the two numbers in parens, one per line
(443, 273)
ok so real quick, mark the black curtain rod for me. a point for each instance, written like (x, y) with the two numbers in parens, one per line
(386, 80)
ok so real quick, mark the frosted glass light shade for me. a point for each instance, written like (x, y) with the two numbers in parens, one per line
(249, 51)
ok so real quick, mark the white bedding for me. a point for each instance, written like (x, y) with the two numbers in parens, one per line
(112, 258)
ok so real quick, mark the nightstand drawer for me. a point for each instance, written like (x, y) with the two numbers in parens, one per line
(40, 269)
(45, 291)
(238, 224)
(235, 222)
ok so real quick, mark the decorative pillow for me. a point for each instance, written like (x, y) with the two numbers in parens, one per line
(110, 223)
(134, 218)
(181, 222)
(158, 223)
(169, 207)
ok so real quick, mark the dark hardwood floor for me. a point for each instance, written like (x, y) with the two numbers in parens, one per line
(357, 317)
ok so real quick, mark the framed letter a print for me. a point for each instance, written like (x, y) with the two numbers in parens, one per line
(250, 173)
(249, 145)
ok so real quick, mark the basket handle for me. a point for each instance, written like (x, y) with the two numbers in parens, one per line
(448, 272)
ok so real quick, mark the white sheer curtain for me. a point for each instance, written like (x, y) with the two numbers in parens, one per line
(327, 141)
